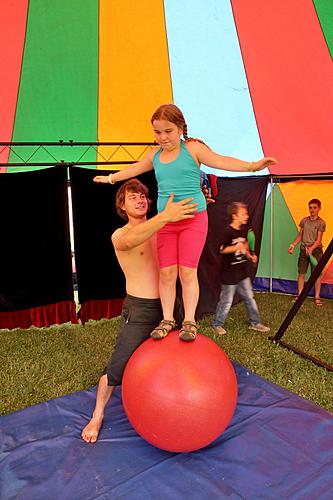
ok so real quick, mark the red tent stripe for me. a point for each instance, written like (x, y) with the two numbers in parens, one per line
(12, 35)
(290, 75)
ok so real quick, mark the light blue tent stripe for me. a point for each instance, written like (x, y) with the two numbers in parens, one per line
(208, 77)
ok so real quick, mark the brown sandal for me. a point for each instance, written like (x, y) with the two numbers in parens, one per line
(188, 331)
(162, 329)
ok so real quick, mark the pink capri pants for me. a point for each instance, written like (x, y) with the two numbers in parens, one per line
(182, 242)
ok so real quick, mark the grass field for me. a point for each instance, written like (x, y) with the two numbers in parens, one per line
(40, 364)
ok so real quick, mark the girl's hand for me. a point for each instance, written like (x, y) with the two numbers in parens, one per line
(104, 179)
(261, 164)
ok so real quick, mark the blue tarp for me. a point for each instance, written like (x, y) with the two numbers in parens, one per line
(277, 445)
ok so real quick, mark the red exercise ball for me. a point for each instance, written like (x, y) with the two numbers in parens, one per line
(179, 396)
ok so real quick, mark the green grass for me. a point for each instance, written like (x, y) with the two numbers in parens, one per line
(40, 364)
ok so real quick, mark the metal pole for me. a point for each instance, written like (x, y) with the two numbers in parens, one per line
(307, 287)
(271, 242)
(71, 232)
(77, 143)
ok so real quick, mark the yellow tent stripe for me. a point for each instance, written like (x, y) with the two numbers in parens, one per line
(134, 74)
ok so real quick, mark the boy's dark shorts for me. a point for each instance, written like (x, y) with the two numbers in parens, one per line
(138, 318)
(304, 261)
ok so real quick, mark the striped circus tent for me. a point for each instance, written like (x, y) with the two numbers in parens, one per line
(252, 78)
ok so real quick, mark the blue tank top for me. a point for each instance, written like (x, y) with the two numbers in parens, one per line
(180, 176)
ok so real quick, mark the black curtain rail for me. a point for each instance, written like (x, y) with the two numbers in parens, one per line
(279, 179)
(67, 163)
(77, 143)
(291, 177)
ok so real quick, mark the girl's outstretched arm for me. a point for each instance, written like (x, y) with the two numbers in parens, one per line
(133, 170)
(208, 157)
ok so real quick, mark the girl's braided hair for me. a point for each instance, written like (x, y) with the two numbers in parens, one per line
(173, 114)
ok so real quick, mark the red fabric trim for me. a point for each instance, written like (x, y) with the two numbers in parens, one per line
(99, 309)
(62, 312)
(213, 182)
(293, 100)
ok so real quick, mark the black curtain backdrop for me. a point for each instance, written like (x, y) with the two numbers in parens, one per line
(35, 254)
(99, 275)
(249, 190)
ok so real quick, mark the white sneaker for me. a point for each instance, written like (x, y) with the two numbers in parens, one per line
(219, 330)
(259, 328)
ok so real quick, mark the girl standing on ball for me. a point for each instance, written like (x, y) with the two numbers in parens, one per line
(177, 168)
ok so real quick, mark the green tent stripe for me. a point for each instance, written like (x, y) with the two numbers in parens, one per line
(59, 80)
(284, 232)
(324, 10)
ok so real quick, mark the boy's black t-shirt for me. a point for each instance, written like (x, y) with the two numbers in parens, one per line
(234, 265)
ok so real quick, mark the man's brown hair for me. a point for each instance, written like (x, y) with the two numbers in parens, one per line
(131, 186)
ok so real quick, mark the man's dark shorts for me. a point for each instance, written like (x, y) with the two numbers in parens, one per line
(138, 318)
(303, 259)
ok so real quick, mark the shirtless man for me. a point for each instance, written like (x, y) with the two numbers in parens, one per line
(135, 247)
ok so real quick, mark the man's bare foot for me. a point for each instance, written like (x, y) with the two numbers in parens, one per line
(91, 431)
